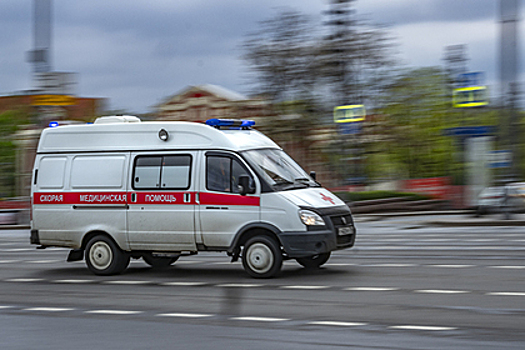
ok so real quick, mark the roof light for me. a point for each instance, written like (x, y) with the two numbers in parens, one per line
(231, 124)
(53, 124)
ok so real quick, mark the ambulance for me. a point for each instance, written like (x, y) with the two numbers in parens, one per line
(121, 189)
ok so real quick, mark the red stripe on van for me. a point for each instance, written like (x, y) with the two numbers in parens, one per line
(80, 198)
(227, 199)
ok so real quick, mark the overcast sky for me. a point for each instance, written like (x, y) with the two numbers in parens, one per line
(137, 52)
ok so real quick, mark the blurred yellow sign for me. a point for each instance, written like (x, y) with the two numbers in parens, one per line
(349, 114)
(473, 96)
(53, 100)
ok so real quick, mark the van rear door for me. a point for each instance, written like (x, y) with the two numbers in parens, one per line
(161, 214)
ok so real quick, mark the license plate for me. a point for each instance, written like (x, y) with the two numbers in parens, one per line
(343, 231)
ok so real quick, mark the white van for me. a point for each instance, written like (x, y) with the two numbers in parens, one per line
(121, 188)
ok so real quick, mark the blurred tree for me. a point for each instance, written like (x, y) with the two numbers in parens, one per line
(281, 54)
(355, 57)
(415, 112)
(10, 123)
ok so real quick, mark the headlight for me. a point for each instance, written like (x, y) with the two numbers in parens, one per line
(309, 218)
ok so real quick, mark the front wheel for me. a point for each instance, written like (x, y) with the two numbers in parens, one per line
(315, 261)
(262, 257)
(104, 257)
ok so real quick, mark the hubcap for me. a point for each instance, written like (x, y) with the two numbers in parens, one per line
(259, 257)
(100, 255)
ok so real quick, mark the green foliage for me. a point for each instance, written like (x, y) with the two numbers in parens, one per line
(10, 123)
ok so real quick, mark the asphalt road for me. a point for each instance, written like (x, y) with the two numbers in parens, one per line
(404, 286)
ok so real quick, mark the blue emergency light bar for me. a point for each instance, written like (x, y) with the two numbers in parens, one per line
(53, 124)
(230, 123)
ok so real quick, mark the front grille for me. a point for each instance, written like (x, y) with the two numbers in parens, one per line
(339, 221)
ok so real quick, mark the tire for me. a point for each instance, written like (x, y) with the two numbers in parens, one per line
(104, 257)
(158, 263)
(262, 257)
(314, 262)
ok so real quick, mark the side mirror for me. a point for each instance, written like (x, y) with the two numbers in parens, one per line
(244, 184)
(313, 175)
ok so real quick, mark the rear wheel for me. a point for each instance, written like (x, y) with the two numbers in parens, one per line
(262, 257)
(158, 263)
(104, 257)
(315, 261)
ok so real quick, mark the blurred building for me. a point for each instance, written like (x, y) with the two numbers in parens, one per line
(202, 102)
(80, 108)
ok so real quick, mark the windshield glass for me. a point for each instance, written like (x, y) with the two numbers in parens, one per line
(278, 169)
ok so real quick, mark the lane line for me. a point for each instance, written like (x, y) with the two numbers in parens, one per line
(127, 282)
(113, 312)
(451, 266)
(23, 280)
(510, 294)
(185, 315)
(337, 323)
(506, 267)
(49, 309)
(370, 289)
(441, 291)
(423, 328)
(259, 319)
(74, 281)
(239, 285)
(184, 284)
(304, 287)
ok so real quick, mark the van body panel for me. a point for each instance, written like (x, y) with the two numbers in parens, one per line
(161, 214)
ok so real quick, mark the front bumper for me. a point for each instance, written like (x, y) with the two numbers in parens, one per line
(308, 243)
(339, 233)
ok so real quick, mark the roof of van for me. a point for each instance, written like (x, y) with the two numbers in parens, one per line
(127, 133)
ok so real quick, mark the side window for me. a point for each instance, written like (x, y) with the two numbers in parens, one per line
(176, 172)
(218, 173)
(223, 173)
(162, 172)
(147, 172)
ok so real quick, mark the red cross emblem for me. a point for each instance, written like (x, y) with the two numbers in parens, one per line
(326, 198)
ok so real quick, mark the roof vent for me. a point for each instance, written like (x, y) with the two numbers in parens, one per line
(117, 119)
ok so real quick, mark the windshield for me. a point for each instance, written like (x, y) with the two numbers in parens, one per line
(278, 169)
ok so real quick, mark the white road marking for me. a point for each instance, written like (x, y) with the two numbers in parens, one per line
(451, 266)
(49, 309)
(510, 294)
(185, 284)
(113, 312)
(73, 281)
(185, 315)
(423, 328)
(126, 282)
(2, 307)
(340, 264)
(239, 285)
(259, 319)
(506, 267)
(441, 291)
(8, 261)
(24, 280)
(337, 323)
(304, 287)
(370, 289)
(392, 265)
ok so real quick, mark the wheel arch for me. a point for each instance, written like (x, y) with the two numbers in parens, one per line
(252, 230)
